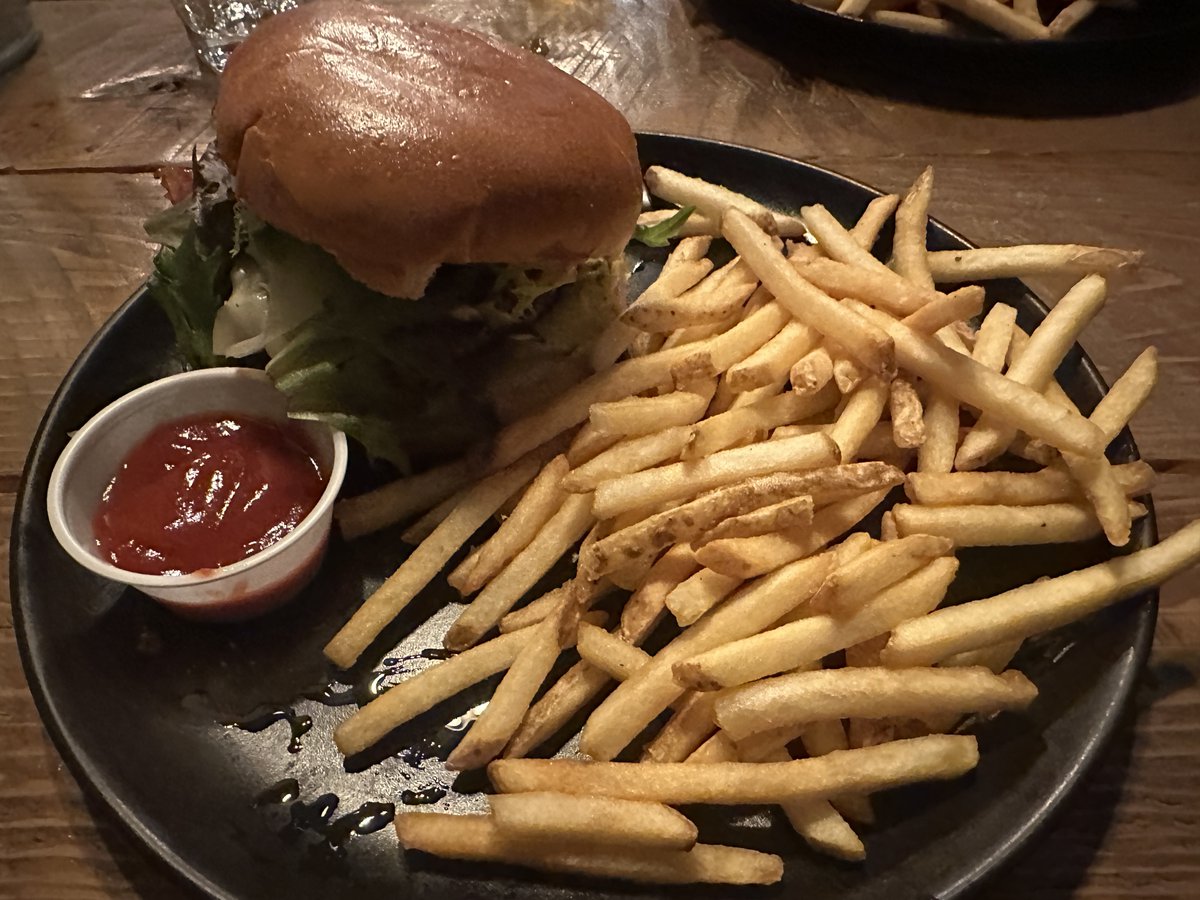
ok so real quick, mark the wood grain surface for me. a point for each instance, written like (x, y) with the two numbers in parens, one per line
(114, 92)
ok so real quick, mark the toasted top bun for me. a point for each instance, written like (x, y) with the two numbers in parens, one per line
(398, 143)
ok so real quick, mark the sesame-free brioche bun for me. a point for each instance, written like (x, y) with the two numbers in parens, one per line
(398, 143)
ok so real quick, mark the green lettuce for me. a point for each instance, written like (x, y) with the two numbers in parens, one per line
(192, 267)
(661, 234)
(408, 380)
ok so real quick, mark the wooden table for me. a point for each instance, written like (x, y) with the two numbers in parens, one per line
(113, 93)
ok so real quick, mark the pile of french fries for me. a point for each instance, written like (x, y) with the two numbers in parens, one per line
(742, 421)
(1017, 19)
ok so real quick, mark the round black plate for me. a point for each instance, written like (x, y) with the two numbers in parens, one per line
(1117, 59)
(135, 699)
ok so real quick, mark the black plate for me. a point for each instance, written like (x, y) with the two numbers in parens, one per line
(1115, 60)
(134, 699)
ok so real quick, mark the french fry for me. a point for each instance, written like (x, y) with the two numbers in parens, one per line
(632, 455)
(427, 689)
(847, 374)
(968, 381)
(941, 427)
(635, 703)
(1035, 367)
(935, 757)
(995, 333)
(947, 309)
(682, 524)
(535, 611)
(913, 22)
(636, 416)
(801, 642)
(866, 230)
(861, 413)
(588, 443)
(870, 285)
(1071, 16)
(694, 333)
(644, 609)
(748, 557)
(577, 687)
(807, 303)
(996, 657)
(855, 582)
(812, 372)
(999, 18)
(568, 524)
(477, 837)
(424, 526)
(583, 681)
(400, 499)
(717, 749)
(698, 594)
(508, 705)
(1098, 479)
(680, 480)
(1041, 605)
(625, 379)
(1072, 260)
(786, 514)
(534, 509)
(1003, 526)
(814, 820)
(853, 7)
(751, 421)
(714, 356)
(684, 267)
(771, 362)
(1050, 485)
(908, 417)
(817, 821)
(423, 565)
(565, 818)
(887, 527)
(912, 219)
(690, 726)
(833, 694)
(713, 300)
(1029, 9)
(714, 201)
(819, 739)
(840, 245)
(1122, 401)
(606, 651)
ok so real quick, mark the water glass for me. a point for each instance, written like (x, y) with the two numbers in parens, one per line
(216, 27)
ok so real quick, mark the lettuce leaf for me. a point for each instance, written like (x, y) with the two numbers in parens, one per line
(192, 267)
(406, 379)
(660, 235)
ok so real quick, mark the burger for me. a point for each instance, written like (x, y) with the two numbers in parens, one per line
(418, 231)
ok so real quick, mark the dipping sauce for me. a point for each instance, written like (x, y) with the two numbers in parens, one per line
(204, 492)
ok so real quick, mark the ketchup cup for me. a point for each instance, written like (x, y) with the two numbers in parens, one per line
(247, 588)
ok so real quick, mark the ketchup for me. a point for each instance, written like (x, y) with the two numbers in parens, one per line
(203, 492)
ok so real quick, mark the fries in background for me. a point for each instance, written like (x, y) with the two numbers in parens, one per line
(741, 422)
(1015, 19)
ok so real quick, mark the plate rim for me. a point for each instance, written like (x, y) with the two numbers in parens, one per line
(92, 782)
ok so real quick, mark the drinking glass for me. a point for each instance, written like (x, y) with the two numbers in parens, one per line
(215, 27)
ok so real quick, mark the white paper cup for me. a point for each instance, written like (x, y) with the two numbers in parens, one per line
(246, 588)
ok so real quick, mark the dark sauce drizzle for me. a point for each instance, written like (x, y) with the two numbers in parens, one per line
(299, 724)
(317, 816)
(422, 797)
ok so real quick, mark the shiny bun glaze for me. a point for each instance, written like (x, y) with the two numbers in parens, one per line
(398, 143)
